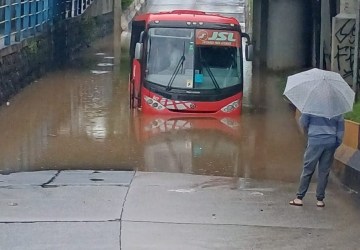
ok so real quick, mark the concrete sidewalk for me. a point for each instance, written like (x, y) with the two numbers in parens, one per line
(128, 210)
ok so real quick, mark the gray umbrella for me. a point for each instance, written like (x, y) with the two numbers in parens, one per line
(319, 92)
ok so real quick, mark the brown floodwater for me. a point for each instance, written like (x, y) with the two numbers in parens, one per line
(79, 118)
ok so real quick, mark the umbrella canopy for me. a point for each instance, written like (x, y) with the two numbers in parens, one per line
(319, 92)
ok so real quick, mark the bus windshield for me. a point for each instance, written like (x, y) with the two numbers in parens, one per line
(176, 58)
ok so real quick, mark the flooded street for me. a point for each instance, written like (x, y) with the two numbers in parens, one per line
(77, 161)
(79, 118)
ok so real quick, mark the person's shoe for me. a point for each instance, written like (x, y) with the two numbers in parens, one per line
(320, 204)
(296, 202)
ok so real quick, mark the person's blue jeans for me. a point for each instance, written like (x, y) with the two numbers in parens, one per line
(323, 155)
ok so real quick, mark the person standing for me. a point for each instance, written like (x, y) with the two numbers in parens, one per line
(325, 135)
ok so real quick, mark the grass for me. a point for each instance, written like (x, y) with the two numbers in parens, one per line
(355, 114)
(282, 83)
(125, 3)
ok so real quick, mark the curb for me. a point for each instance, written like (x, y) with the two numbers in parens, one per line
(347, 167)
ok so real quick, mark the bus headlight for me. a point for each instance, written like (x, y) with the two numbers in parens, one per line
(230, 107)
(154, 104)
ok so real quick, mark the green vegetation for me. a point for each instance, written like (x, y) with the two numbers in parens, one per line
(282, 83)
(32, 46)
(355, 114)
(88, 26)
(32, 50)
(125, 3)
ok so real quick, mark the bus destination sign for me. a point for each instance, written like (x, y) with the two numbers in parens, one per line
(218, 38)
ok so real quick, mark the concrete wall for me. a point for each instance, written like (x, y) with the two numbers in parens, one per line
(72, 35)
(344, 41)
(260, 29)
(256, 26)
(287, 41)
(325, 31)
(348, 6)
(100, 7)
(21, 64)
(136, 7)
(343, 46)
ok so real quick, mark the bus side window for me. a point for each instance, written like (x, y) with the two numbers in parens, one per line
(137, 28)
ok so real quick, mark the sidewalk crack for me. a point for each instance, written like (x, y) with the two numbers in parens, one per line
(51, 180)
(123, 206)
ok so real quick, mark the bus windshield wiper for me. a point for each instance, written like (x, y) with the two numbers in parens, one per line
(211, 74)
(177, 69)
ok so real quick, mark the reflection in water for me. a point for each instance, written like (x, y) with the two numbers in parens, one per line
(91, 111)
(189, 145)
(99, 72)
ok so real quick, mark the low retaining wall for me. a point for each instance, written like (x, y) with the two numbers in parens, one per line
(347, 167)
(72, 35)
(347, 164)
(22, 63)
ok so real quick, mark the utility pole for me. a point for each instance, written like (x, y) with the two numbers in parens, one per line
(117, 31)
(117, 14)
(356, 51)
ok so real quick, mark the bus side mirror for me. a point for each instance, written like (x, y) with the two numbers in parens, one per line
(138, 51)
(249, 52)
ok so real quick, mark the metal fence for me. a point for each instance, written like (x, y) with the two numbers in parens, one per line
(20, 19)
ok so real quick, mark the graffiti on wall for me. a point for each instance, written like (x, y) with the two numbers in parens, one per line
(343, 48)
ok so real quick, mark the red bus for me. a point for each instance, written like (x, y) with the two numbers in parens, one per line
(187, 62)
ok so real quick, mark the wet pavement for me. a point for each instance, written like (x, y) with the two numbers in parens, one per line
(100, 210)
